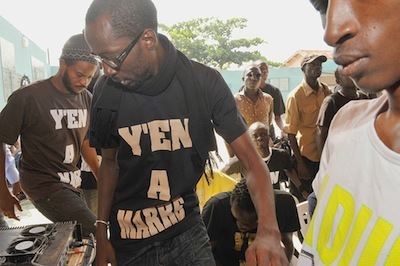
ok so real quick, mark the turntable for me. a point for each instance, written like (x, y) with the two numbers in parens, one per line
(39, 245)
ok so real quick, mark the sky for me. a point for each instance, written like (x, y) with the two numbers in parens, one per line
(285, 25)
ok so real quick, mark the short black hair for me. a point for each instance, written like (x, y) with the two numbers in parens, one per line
(252, 65)
(241, 196)
(128, 17)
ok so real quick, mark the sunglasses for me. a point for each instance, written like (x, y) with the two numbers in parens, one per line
(252, 75)
(117, 61)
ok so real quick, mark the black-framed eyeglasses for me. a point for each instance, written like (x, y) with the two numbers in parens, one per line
(117, 61)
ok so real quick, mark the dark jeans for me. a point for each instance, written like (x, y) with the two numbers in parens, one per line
(67, 205)
(192, 247)
(313, 167)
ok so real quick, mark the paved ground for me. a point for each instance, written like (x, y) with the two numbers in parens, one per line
(30, 215)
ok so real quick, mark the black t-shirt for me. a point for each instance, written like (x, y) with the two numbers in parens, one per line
(231, 243)
(330, 106)
(279, 161)
(155, 198)
(279, 105)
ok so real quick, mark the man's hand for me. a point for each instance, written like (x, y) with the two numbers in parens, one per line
(305, 194)
(105, 254)
(302, 170)
(17, 191)
(265, 251)
(7, 203)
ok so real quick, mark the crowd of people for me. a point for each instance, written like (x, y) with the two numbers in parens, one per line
(124, 162)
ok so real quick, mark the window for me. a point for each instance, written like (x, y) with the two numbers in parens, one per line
(37, 69)
(281, 83)
(10, 78)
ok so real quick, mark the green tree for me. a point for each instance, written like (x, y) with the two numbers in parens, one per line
(210, 41)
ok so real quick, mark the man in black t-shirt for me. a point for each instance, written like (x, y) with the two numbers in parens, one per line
(279, 105)
(231, 223)
(278, 160)
(345, 92)
(154, 116)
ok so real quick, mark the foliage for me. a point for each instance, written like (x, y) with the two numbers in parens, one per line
(210, 41)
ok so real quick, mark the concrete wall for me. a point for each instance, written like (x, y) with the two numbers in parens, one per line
(24, 52)
(294, 75)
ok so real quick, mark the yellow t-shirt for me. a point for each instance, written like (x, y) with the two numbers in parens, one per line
(220, 183)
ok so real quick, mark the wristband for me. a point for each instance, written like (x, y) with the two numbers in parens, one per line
(101, 222)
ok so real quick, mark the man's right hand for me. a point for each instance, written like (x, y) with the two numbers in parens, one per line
(302, 170)
(7, 203)
(17, 191)
(105, 254)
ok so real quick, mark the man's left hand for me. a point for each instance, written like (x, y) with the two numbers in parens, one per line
(265, 252)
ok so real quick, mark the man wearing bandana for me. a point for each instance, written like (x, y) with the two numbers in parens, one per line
(52, 118)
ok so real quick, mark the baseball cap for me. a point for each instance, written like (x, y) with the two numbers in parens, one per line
(312, 57)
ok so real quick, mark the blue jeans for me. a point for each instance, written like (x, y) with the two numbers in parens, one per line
(67, 205)
(312, 203)
(192, 247)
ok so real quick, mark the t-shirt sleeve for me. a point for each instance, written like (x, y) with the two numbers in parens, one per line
(227, 120)
(292, 116)
(279, 104)
(12, 118)
(326, 112)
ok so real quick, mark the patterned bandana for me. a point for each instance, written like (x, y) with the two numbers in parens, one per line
(76, 48)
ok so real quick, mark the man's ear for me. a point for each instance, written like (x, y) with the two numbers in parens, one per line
(151, 39)
(63, 64)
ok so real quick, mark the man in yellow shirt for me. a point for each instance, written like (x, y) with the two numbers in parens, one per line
(302, 108)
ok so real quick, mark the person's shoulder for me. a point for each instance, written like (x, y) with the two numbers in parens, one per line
(296, 92)
(266, 95)
(220, 199)
(331, 98)
(364, 105)
(274, 91)
(207, 76)
(35, 89)
(299, 89)
(202, 69)
(271, 88)
(284, 196)
(360, 111)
